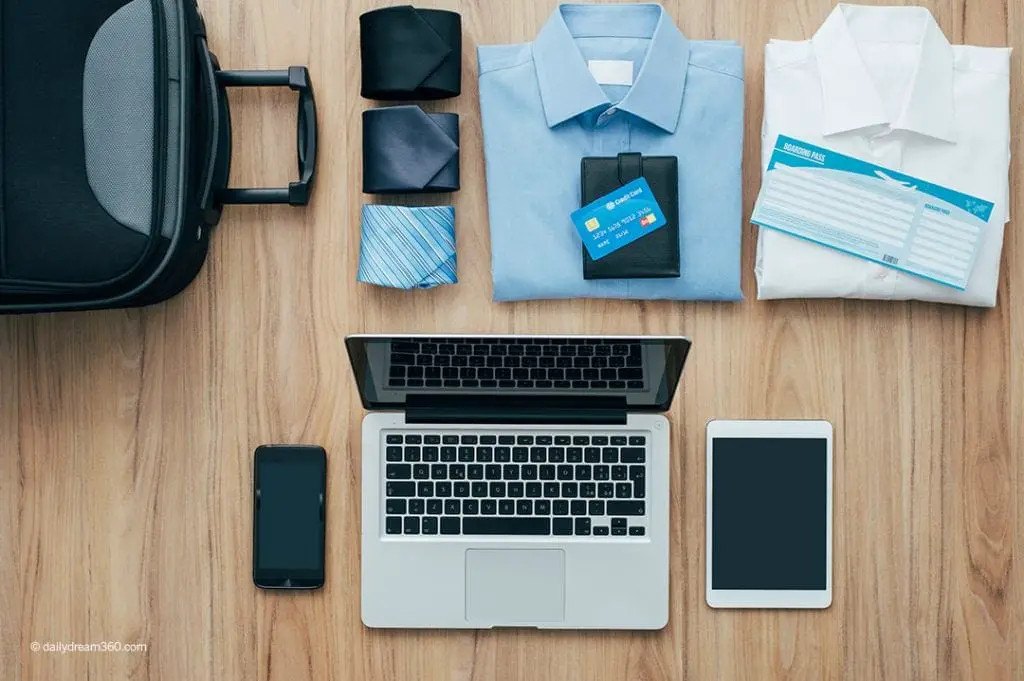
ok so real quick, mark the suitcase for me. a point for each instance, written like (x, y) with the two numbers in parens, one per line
(115, 151)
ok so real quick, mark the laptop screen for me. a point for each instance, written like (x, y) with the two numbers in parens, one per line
(642, 371)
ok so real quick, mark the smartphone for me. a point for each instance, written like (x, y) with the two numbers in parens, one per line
(289, 497)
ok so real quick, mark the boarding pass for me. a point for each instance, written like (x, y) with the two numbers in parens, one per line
(872, 212)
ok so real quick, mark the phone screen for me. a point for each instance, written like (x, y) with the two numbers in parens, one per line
(288, 524)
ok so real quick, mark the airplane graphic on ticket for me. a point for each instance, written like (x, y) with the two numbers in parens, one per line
(872, 212)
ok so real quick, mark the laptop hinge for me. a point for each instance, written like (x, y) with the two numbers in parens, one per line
(538, 410)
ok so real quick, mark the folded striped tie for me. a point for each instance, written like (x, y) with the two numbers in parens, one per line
(406, 248)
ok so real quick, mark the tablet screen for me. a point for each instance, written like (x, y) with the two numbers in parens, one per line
(769, 509)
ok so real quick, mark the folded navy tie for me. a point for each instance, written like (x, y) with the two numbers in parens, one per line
(408, 248)
(409, 53)
(408, 151)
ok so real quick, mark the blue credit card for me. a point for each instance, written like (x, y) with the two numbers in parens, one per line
(618, 219)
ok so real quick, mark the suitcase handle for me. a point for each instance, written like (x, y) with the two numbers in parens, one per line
(296, 193)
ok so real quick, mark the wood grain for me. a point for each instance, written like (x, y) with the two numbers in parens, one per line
(126, 438)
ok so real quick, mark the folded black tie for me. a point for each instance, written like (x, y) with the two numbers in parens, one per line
(406, 150)
(410, 53)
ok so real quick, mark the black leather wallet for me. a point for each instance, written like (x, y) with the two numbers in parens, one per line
(655, 256)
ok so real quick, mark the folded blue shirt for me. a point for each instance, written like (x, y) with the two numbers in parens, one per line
(543, 111)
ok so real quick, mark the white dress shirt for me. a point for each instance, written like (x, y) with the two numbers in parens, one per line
(884, 85)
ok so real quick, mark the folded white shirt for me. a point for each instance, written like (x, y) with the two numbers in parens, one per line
(884, 85)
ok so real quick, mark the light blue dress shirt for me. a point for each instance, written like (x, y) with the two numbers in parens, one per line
(543, 112)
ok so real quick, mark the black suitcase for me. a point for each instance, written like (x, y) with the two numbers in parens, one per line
(115, 151)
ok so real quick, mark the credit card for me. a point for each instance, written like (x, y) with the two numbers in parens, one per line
(618, 218)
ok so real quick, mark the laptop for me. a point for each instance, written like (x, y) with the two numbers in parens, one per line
(516, 481)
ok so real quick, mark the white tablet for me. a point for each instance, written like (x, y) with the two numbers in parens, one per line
(769, 514)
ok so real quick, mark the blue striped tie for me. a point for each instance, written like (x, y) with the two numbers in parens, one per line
(407, 248)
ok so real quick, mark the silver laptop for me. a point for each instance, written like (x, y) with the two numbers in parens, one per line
(516, 481)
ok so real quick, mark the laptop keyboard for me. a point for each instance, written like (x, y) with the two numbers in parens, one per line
(536, 484)
(532, 363)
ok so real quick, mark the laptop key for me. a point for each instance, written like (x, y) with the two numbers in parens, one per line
(560, 507)
(524, 507)
(574, 455)
(556, 454)
(547, 472)
(588, 490)
(412, 454)
(452, 506)
(492, 471)
(467, 454)
(413, 439)
(394, 439)
(479, 489)
(461, 489)
(583, 527)
(469, 439)
(596, 508)
(450, 526)
(580, 440)
(431, 439)
(592, 454)
(538, 454)
(528, 471)
(393, 525)
(438, 471)
(563, 440)
(506, 507)
(420, 471)
(506, 440)
(393, 454)
(497, 489)
(398, 471)
(599, 440)
(416, 506)
(516, 489)
(620, 473)
(510, 471)
(636, 531)
(395, 507)
(450, 439)
(582, 472)
(470, 507)
(565, 472)
(502, 454)
(488, 440)
(632, 455)
(425, 489)
(623, 490)
(618, 441)
(570, 490)
(489, 507)
(610, 455)
(431, 454)
(443, 489)
(429, 525)
(637, 441)
(435, 506)
(601, 472)
(484, 454)
(551, 490)
(562, 526)
(619, 531)
(542, 507)
(600, 531)
(578, 507)
(626, 508)
(448, 453)
(606, 490)
(475, 471)
(533, 490)
(511, 526)
(520, 454)
(457, 471)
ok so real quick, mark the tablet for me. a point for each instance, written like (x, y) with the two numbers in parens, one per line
(769, 514)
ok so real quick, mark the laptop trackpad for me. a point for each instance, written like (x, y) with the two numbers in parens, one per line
(508, 587)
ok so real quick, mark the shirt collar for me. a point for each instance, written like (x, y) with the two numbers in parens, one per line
(850, 100)
(568, 89)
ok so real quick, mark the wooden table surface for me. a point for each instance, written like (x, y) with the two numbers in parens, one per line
(126, 438)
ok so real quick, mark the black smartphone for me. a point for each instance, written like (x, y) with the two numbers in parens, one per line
(289, 512)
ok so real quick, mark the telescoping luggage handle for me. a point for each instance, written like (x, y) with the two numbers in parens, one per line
(296, 78)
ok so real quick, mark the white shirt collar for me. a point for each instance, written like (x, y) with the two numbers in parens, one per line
(851, 100)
